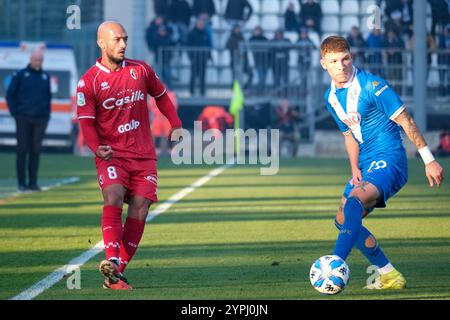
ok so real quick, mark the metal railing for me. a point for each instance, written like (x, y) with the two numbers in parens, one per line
(271, 73)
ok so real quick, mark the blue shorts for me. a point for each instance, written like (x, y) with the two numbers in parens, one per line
(389, 173)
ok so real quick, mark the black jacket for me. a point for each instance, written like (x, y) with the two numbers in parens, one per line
(235, 10)
(180, 12)
(29, 93)
(199, 38)
(261, 56)
(204, 6)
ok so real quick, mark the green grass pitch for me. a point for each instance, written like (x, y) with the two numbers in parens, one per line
(240, 236)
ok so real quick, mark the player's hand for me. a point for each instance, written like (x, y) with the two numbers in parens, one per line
(357, 176)
(104, 152)
(175, 134)
(434, 173)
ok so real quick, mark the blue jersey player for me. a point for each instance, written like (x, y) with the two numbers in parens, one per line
(370, 115)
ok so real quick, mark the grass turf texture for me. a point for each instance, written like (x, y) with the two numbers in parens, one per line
(240, 236)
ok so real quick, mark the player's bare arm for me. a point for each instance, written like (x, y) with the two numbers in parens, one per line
(433, 170)
(408, 124)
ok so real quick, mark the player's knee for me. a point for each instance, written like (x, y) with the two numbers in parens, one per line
(370, 242)
(113, 198)
(340, 219)
(353, 204)
(139, 210)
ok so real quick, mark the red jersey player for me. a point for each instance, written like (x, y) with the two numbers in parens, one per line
(113, 114)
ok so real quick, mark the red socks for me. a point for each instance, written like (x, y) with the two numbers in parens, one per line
(112, 231)
(132, 234)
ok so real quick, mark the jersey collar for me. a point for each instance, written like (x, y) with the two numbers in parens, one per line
(347, 84)
(106, 69)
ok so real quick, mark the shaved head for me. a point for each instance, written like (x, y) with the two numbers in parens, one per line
(108, 27)
(36, 59)
(112, 39)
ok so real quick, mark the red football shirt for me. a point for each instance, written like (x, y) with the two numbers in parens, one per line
(117, 100)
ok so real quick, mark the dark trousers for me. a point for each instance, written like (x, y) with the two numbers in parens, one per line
(198, 71)
(29, 133)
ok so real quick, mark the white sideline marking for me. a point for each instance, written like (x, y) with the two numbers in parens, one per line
(61, 183)
(46, 188)
(54, 277)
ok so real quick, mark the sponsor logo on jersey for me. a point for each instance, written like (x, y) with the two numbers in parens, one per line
(133, 74)
(81, 83)
(381, 90)
(151, 179)
(375, 84)
(353, 119)
(111, 103)
(101, 179)
(104, 85)
(133, 125)
(80, 99)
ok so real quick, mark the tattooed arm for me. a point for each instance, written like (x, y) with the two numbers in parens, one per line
(408, 124)
(433, 169)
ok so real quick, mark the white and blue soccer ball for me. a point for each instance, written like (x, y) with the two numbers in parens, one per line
(329, 274)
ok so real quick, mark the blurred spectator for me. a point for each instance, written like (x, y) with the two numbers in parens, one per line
(180, 15)
(291, 22)
(152, 31)
(160, 125)
(161, 8)
(391, 5)
(163, 45)
(215, 117)
(444, 144)
(280, 59)
(287, 119)
(238, 12)
(431, 48)
(407, 15)
(440, 13)
(205, 10)
(375, 42)
(358, 44)
(29, 97)
(444, 61)
(261, 58)
(394, 57)
(199, 55)
(311, 15)
(395, 24)
(304, 57)
(233, 46)
(405, 8)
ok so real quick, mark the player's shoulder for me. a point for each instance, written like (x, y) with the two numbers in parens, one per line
(369, 81)
(90, 73)
(138, 64)
(88, 77)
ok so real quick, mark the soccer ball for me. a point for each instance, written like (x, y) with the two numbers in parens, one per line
(329, 274)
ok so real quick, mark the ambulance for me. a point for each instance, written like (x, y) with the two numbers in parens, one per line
(59, 62)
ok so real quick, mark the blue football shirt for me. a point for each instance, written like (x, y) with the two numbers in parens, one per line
(366, 107)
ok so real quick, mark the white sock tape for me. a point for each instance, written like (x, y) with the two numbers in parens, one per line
(426, 155)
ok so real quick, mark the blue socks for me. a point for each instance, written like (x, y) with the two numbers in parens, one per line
(374, 254)
(349, 233)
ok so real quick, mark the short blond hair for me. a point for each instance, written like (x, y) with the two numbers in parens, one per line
(334, 44)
